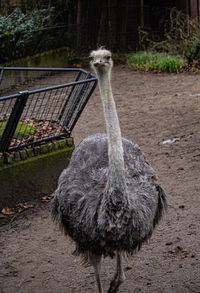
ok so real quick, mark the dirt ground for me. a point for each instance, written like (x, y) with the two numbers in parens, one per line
(153, 108)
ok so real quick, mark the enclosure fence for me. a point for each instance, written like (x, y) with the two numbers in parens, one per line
(31, 113)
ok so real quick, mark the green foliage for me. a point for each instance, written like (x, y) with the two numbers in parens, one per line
(182, 37)
(154, 61)
(22, 130)
(17, 32)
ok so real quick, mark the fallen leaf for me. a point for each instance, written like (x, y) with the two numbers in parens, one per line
(25, 205)
(48, 197)
(77, 65)
(20, 207)
(19, 210)
(8, 211)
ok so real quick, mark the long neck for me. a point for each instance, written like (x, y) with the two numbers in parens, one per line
(116, 173)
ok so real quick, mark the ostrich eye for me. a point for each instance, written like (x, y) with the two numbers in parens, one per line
(91, 58)
(108, 57)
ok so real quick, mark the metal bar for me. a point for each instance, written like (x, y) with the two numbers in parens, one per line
(42, 68)
(46, 69)
(10, 97)
(51, 88)
(83, 106)
(53, 137)
(76, 100)
(51, 107)
(61, 86)
(65, 94)
(70, 94)
(13, 121)
(1, 74)
(63, 103)
(142, 14)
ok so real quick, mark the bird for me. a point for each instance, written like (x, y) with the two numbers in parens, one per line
(108, 199)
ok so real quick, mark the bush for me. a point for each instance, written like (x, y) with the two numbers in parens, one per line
(154, 61)
(17, 35)
(182, 37)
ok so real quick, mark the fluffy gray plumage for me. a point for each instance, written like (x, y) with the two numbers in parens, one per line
(108, 200)
(77, 201)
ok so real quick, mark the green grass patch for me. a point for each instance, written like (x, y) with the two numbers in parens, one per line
(22, 130)
(154, 61)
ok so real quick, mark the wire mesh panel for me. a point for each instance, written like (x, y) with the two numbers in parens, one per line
(35, 115)
(14, 79)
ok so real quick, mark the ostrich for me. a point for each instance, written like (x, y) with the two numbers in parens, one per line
(108, 200)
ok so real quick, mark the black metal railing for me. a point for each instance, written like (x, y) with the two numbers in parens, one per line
(35, 113)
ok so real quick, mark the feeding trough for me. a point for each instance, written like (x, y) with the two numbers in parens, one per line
(39, 108)
(33, 114)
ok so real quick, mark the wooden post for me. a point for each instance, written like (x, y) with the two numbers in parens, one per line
(102, 32)
(142, 13)
(199, 10)
(194, 8)
(183, 5)
(112, 23)
(123, 24)
(78, 23)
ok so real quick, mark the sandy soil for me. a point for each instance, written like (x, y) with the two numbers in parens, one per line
(36, 257)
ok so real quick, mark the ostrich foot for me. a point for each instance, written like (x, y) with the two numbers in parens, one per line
(116, 282)
(95, 261)
(119, 277)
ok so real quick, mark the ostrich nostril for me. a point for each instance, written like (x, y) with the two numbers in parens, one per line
(97, 61)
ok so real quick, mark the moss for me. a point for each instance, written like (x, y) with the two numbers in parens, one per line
(10, 158)
(51, 58)
(30, 153)
(29, 179)
(17, 156)
(44, 149)
(23, 154)
(52, 146)
(56, 145)
(37, 158)
(1, 162)
(22, 130)
(61, 144)
(37, 150)
(70, 141)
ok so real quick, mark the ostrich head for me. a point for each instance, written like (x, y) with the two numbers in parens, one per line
(101, 61)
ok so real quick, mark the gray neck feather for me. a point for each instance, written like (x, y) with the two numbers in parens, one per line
(116, 171)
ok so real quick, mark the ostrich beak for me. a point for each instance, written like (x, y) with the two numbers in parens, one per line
(98, 62)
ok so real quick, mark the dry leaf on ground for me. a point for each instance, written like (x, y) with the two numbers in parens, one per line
(18, 209)
(48, 197)
(8, 211)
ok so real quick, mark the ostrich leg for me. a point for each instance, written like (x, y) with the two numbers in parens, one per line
(95, 261)
(119, 276)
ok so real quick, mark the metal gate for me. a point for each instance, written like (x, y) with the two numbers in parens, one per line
(31, 114)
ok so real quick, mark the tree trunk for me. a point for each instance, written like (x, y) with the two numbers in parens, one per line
(142, 13)
(182, 5)
(112, 25)
(102, 33)
(4, 8)
(194, 9)
(123, 24)
(78, 22)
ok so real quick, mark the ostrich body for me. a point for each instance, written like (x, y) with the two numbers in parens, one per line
(108, 200)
